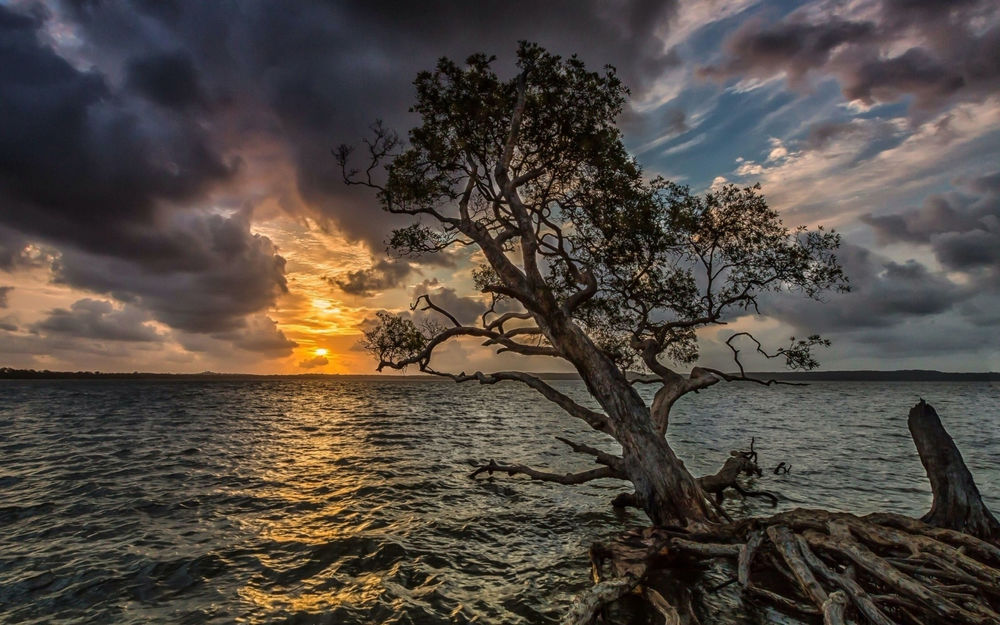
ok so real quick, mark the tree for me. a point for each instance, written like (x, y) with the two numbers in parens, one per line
(587, 260)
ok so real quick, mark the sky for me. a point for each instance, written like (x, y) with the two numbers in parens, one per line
(169, 202)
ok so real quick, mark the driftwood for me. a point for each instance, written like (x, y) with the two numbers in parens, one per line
(832, 568)
(739, 463)
(957, 503)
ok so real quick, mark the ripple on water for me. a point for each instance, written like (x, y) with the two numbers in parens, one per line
(348, 502)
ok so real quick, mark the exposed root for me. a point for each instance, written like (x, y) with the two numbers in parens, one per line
(831, 567)
(597, 596)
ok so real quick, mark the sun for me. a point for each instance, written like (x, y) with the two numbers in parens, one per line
(322, 351)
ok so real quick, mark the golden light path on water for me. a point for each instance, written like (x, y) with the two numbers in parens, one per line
(303, 472)
(349, 501)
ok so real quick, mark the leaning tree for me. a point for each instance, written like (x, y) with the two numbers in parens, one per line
(589, 261)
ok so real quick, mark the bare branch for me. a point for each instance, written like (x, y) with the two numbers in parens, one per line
(497, 324)
(595, 419)
(603, 457)
(422, 357)
(431, 306)
(745, 378)
(545, 476)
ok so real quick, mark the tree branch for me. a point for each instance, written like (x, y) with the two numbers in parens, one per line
(594, 419)
(602, 457)
(745, 378)
(431, 306)
(545, 476)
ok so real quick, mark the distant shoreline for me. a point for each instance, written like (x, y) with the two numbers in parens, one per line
(906, 375)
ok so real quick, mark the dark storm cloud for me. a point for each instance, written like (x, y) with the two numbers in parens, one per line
(793, 46)
(873, 135)
(116, 185)
(261, 335)
(466, 310)
(98, 319)
(962, 228)
(11, 249)
(4, 292)
(83, 165)
(258, 334)
(226, 274)
(956, 58)
(676, 121)
(883, 293)
(111, 145)
(383, 275)
(316, 74)
(170, 80)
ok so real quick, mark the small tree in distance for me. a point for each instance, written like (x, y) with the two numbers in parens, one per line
(587, 260)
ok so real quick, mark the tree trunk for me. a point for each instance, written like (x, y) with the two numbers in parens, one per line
(664, 488)
(957, 503)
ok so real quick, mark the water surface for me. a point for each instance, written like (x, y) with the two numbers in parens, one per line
(348, 502)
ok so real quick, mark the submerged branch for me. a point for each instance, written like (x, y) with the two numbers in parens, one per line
(546, 476)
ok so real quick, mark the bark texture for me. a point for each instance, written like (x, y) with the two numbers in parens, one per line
(821, 566)
(957, 503)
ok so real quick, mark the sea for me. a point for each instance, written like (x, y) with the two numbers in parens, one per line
(348, 501)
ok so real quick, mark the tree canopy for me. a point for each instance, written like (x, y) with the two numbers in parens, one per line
(533, 170)
(586, 259)
(589, 260)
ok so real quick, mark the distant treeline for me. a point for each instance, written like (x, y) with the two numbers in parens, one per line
(906, 375)
(902, 375)
(33, 374)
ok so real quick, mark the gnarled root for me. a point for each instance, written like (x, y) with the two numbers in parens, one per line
(824, 566)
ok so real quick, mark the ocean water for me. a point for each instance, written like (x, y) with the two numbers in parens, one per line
(349, 502)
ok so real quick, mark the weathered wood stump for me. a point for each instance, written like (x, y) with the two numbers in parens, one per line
(957, 503)
(826, 567)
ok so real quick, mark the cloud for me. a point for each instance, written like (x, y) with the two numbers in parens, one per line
(120, 188)
(258, 334)
(83, 165)
(794, 46)
(316, 361)
(961, 227)
(224, 274)
(261, 336)
(99, 320)
(309, 75)
(12, 246)
(467, 310)
(825, 134)
(676, 121)
(883, 293)
(169, 80)
(888, 162)
(383, 275)
(936, 52)
(145, 143)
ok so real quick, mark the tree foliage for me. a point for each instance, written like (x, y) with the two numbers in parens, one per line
(534, 171)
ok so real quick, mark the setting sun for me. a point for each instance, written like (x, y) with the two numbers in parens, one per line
(321, 351)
